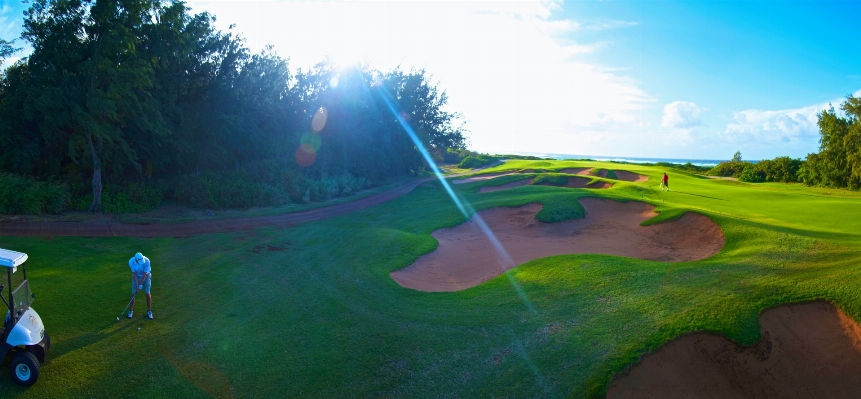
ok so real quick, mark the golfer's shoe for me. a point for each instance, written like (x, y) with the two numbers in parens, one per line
(131, 313)
(149, 314)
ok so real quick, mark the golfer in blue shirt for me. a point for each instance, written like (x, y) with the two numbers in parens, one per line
(141, 281)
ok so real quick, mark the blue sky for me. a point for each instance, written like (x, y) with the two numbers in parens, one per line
(680, 79)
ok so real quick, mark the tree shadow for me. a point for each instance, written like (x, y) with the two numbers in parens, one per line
(698, 195)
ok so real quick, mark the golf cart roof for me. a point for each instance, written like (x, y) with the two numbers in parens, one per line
(11, 258)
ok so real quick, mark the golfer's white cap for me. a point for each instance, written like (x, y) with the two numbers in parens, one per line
(138, 257)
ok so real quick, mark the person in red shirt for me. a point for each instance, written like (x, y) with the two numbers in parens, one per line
(665, 183)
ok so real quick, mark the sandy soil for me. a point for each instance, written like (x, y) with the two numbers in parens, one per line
(625, 175)
(808, 350)
(576, 171)
(573, 182)
(466, 258)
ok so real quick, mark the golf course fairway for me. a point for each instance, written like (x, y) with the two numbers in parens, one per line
(311, 310)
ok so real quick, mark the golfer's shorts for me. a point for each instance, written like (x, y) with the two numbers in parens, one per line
(146, 286)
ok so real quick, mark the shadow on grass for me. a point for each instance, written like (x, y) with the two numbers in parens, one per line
(10, 389)
(698, 195)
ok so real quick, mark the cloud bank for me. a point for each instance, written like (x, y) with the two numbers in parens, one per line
(681, 115)
(788, 129)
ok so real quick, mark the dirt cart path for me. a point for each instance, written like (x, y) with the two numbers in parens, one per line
(180, 229)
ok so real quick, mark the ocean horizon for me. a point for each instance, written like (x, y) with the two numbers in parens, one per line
(680, 161)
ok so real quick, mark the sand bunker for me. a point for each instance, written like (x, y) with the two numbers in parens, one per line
(576, 171)
(481, 177)
(624, 175)
(573, 182)
(810, 350)
(465, 257)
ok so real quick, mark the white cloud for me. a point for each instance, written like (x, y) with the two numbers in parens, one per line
(778, 127)
(10, 24)
(681, 115)
(512, 70)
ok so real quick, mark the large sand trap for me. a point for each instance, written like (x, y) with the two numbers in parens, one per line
(807, 351)
(465, 257)
(625, 175)
(576, 171)
(481, 177)
(573, 182)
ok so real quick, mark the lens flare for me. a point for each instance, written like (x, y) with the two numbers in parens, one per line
(333, 83)
(319, 120)
(312, 140)
(505, 260)
(305, 155)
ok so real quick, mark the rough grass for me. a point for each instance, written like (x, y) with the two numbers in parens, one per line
(554, 179)
(310, 311)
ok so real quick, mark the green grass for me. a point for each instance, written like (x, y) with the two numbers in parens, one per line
(322, 318)
(553, 179)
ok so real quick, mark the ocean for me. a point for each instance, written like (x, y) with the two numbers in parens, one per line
(698, 162)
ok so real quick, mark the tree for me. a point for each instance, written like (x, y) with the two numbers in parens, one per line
(838, 163)
(97, 88)
(736, 157)
(6, 50)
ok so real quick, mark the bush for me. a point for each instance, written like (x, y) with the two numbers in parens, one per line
(729, 169)
(751, 175)
(477, 161)
(780, 169)
(134, 198)
(26, 196)
(264, 183)
(688, 167)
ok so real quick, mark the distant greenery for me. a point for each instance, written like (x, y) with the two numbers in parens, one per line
(122, 92)
(522, 157)
(477, 161)
(838, 163)
(688, 167)
(780, 169)
(26, 196)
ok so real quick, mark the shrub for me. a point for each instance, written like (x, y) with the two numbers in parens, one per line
(133, 198)
(263, 183)
(729, 169)
(780, 169)
(688, 167)
(751, 175)
(477, 161)
(26, 196)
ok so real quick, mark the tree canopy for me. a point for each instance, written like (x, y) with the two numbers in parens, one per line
(838, 163)
(136, 90)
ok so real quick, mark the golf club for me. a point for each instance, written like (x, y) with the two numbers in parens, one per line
(127, 306)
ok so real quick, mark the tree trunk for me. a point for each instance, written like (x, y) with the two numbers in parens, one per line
(96, 205)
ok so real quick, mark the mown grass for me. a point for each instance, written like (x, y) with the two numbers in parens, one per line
(310, 311)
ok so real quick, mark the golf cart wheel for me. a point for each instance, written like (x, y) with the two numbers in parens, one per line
(25, 368)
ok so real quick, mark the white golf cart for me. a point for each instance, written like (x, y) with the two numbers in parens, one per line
(23, 334)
